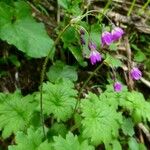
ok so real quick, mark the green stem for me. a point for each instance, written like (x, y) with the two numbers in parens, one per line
(43, 75)
(131, 8)
(145, 5)
(85, 83)
(88, 13)
(104, 10)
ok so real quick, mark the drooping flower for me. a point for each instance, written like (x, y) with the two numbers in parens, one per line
(117, 86)
(117, 33)
(82, 40)
(135, 73)
(106, 38)
(92, 46)
(95, 57)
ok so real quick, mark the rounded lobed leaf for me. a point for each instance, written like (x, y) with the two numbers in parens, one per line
(59, 99)
(100, 121)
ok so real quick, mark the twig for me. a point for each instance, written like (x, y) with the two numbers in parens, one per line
(128, 49)
(145, 130)
(146, 82)
(58, 12)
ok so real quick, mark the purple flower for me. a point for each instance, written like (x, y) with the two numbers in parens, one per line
(106, 38)
(92, 46)
(82, 40)
(117, 33)
(95, 56)
(135, 73)
(117, 86)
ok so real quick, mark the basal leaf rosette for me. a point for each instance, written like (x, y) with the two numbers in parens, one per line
(59, 99)
(100, 121)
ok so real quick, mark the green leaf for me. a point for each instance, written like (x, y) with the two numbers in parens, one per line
(128, 127)
(59, 99)
(58, 129)
(14, 60)
(17, 27)
(101, 121)
(113, 47)
(139, 56)
(113, 62)
(59, 70)
(69, 39)
(64, 3)
(138, 107)
(75, 9)
(77, 53)
(134, 145)
(95, 34)
(15, 113)
(114, 145)
(69, 36)
(32, 141)
(71, 142)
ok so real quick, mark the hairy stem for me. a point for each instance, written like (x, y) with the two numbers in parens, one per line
(85, 83)
(131, 8)
(43, 75)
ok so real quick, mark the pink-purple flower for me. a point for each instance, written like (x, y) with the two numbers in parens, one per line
(106, 38)
(92, 46)
(117, 86)
(135, 73)
(117, 33)
(95, 57)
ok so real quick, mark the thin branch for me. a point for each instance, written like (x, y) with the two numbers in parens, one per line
(145, 130)
(43, 75)
(146, 82)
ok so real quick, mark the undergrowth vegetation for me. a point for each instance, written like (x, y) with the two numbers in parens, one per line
(90, 89)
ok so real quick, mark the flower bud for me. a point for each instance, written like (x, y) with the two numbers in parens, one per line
(95, 57)
(117, 33)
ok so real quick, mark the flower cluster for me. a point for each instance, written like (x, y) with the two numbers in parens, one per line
(107, 38)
